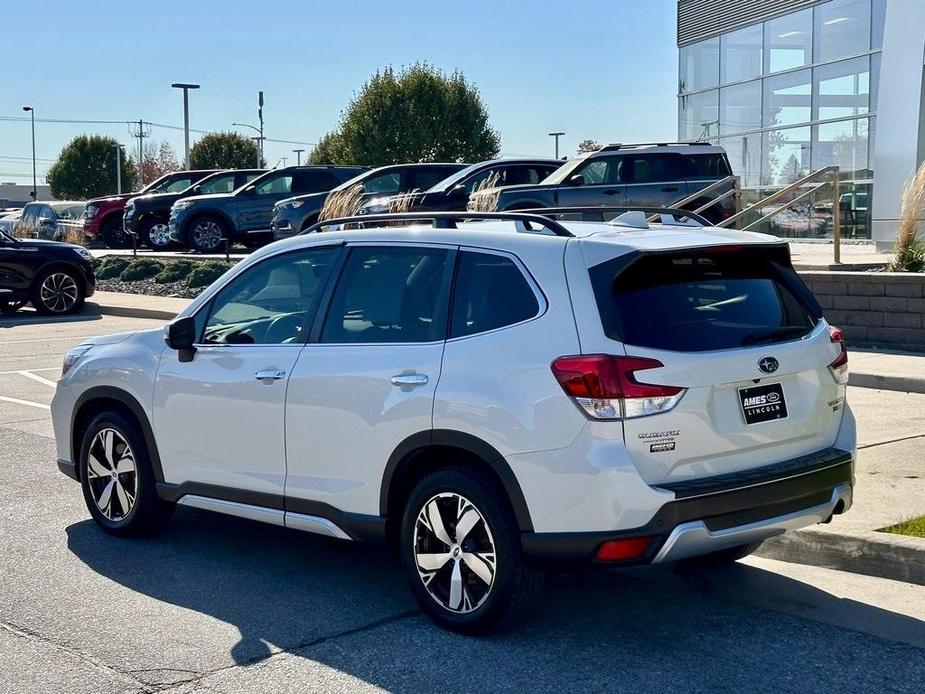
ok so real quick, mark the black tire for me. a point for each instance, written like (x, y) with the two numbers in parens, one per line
(723, 557)
(207, 234)
(147, 514)
(57, 291)
(154, 234)
(114, 236)
(514, 585)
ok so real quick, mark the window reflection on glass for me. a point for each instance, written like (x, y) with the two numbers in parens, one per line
(699, 115)
(699, 65)
(788, 41)
(740, 108)
(740, 54)
(786, 155)
(842, 28)
(842, 89)
(744, 153)
(787, 98)
(842, 144)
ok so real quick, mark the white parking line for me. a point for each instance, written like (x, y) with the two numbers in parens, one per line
(39, 379)
(19, 371)
(17, 401)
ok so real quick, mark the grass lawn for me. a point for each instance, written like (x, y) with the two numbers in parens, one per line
(914, 527)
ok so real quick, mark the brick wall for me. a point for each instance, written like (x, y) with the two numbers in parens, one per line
(875, 309)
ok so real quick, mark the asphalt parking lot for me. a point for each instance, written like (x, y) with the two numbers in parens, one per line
(219, 604)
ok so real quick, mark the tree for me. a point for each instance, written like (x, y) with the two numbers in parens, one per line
(417, 114)
(86, 168)
(588, 145)
(158, 160)
(223, 150)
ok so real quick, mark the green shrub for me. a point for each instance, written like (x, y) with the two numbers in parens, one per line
(174, 272)
(206, 273)
(141, 269)
(111, 266)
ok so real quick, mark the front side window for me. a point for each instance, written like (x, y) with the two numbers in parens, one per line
(429, 177)
(604, 171)
(271, 303)
(389, 294)
(274, 184)
(384, 184)
(218, 184)
(176, 185)
(480, 279)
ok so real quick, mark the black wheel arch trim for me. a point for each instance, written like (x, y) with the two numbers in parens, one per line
(129, 401)
(466, 442)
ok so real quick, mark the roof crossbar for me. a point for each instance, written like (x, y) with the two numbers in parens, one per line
(524, 222)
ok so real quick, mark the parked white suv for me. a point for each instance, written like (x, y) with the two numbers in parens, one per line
(490, 396)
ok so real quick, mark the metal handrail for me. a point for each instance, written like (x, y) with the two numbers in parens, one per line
(709, 189)
(783, 192)
(588, 211)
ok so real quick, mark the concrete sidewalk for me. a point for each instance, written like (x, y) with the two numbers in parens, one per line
(137, 305)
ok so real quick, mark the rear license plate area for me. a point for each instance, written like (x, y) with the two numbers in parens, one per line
(763, 403)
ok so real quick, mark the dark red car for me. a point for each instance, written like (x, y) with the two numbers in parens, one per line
(103, 216)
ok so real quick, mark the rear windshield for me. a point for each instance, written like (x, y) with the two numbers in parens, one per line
(695, 301)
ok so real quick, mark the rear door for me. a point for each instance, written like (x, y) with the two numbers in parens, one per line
(736, 328)
(366, 380)
(655, 180)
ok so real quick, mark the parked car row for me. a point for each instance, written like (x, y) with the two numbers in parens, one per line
(56, 220)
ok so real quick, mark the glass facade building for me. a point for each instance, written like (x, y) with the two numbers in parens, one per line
(788, 94)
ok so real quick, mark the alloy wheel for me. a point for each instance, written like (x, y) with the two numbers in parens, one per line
(454, 552)
(207, 234)
(59, 292)
(159, 235)
(112, 474)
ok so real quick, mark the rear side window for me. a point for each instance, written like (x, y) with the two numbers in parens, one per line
(695, 301)
(655, 168)
(706, 166)
(389, 294)
(312, 182)
(491, 292)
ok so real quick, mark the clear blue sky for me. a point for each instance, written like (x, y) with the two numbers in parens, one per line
(604, 69)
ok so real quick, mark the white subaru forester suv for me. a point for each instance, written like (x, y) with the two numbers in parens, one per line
(490, 396)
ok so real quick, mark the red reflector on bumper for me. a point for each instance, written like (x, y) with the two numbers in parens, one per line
(623, 549)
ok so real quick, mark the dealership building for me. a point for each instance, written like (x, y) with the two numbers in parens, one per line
(789, 87)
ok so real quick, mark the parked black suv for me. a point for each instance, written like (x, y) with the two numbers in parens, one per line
(147, 215)
(204, 222)
(649, 175)
(452, 193)
(55, 277)
(295, 214)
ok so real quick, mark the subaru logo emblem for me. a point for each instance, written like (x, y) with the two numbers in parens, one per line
(768, 364)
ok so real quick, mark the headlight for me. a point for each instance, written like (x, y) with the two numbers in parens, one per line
(83, 253)
(72, 357)
(377, 206)
(90, 211)
(182, 204)
(294, 205)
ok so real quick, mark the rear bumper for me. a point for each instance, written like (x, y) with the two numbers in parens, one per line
(715, 513)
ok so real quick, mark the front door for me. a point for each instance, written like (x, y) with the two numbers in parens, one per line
(366, 381)
(600, 184)
(219, 419)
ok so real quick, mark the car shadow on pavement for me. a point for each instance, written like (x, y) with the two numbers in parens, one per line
(26, 316)
(346, 606)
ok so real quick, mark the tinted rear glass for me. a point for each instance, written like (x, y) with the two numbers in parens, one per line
(695, 301)
(707, 166)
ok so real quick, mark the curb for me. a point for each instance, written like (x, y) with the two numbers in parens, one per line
(907, 384)
(883, 555)
(135, 312)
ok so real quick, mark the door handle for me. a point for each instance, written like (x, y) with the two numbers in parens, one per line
(611, 192)
(270, 375)
(409, 380)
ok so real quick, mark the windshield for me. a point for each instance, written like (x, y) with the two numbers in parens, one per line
(563, 172)
(451, 181)
(356, 179)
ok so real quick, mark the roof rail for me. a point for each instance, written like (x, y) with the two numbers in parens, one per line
(525, 222)
(618, 145)
(603, 213)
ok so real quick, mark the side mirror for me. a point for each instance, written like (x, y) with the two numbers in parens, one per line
(250, 190)
(46, 222)
(197, 188)
(180, 334)
(577, 180)
(458, 191)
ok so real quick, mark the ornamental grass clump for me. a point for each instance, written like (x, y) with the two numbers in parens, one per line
(910, 249)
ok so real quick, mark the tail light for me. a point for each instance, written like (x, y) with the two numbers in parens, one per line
(839, 367)
(624, 549)
(606, 387)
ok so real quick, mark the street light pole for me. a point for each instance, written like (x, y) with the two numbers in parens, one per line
(298, 155)
(260, 119)
(35, 187)
(258, 140)
(118, 148)
(185, 87)
(557, 136)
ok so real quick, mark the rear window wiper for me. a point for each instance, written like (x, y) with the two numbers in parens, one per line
(774, 335)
